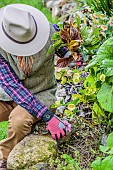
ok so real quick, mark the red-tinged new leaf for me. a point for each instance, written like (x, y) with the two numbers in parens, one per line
(64, 62)
(64, 35)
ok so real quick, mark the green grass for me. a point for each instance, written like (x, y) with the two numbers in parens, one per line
(3, 130)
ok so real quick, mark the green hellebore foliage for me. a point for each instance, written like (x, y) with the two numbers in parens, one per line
(105, 97)
(105, 51)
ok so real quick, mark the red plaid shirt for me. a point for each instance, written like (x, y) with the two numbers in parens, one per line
(14, 88)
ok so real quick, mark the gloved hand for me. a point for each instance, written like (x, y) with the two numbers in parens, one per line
(57, 127)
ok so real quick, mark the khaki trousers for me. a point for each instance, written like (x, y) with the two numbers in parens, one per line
(20, 123)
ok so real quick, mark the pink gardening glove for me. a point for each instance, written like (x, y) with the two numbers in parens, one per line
(58, 128)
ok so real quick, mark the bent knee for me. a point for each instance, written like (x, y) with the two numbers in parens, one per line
(20, 119)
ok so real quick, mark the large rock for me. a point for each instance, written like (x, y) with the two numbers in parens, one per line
(32, 153)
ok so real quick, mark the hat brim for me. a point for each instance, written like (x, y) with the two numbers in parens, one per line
(36, 44)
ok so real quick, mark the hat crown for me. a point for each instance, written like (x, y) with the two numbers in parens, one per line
(18, 24)
(24, 30)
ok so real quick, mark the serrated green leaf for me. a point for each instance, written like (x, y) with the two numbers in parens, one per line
(105, 97)
(106, 50)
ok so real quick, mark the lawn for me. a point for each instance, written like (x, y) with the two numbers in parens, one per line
(3, 130)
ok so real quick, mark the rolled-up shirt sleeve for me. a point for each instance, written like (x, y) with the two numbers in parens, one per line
(21, 95)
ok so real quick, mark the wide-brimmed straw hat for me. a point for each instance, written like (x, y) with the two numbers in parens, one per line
(24, 30)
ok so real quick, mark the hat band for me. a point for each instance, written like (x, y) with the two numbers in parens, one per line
(19, 42)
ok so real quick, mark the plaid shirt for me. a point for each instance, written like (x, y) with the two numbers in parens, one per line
(14, 88)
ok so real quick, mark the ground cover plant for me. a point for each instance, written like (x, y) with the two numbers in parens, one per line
(86, 74)
(93, 41)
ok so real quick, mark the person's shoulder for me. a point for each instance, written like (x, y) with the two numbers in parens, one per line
(1, 49)
(3, 53)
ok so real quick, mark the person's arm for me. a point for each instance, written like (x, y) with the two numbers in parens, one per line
(13, 87)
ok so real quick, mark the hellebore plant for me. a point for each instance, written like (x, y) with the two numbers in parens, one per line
(101, 79)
